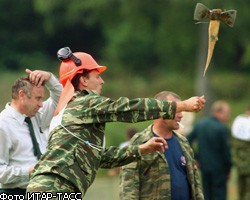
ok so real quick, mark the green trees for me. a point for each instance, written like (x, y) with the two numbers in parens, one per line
(20, 34)
(148, 36)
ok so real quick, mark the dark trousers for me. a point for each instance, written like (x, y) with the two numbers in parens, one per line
(214, 185)
(13, 191)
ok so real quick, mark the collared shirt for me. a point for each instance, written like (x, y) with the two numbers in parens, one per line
(16, 148)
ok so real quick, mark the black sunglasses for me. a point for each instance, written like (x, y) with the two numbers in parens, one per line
(65, 54)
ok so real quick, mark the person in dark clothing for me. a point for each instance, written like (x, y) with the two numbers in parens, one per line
(214, 157)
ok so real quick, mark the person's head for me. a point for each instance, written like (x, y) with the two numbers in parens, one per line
(169, 124)
(26, 97)
(78, 71)
(81, 70)
(131, 132)
(221, 110)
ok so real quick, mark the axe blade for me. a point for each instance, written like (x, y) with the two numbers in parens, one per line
(201, 12)
(228, 17)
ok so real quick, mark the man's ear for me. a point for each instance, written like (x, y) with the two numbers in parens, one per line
(83, 81)
(21, 94)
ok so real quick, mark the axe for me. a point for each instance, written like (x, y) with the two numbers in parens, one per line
(215, 16)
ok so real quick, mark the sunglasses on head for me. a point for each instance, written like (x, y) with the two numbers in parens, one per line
(64, 54)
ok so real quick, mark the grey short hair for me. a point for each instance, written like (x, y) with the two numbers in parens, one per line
(218, 106)
(24, 84)
(164, 94)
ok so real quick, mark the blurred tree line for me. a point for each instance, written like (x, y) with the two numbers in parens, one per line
(146, 36)
(148, 45)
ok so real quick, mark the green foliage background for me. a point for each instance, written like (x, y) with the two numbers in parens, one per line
(148, 46)
(139, 36)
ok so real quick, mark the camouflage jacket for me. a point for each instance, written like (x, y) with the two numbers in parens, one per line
(241, 158)
(69, 153)
(149, 177)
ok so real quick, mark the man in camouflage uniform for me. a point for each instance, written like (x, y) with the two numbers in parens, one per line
(241, 152)
(162, 176)
(76, 145)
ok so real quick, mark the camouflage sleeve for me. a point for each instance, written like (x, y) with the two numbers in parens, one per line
(93, 108)
(129, 182)
(198, 193)
(198, 188)
(116, 157)
(241, 158)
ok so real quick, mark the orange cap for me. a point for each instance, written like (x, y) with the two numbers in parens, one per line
(68, 69)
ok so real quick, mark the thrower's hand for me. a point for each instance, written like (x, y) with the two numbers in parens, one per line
(193, 104)
(154, 144)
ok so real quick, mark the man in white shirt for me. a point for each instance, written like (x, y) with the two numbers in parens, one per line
(241, 152)
(17, 155)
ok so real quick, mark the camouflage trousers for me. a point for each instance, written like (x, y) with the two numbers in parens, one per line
(51, 186)
(243, 187)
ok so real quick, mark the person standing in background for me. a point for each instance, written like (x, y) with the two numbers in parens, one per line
(241, 152)
(214, 156)
(18, 153)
